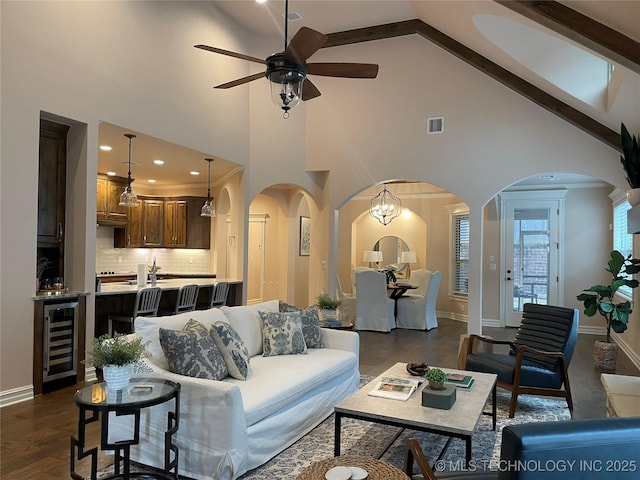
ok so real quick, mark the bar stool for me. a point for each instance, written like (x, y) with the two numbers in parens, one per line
(186, 300)
(219, 295)
(146, 305)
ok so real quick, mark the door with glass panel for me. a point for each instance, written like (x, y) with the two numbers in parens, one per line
(531, 250)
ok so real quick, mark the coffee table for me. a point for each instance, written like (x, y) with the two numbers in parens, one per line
(458, 422)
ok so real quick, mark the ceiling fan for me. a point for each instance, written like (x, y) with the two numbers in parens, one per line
(287, 71)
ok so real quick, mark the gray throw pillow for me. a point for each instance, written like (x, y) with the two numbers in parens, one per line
(310, 323)
(233, 350)
(192, 352)
(282, 333)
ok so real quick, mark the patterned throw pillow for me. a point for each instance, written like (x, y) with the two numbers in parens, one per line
(282, 334)
(192, 352)
(233, 350)
(310, 323)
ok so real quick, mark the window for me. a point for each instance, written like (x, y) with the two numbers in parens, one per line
(622, 241)
(460, 254)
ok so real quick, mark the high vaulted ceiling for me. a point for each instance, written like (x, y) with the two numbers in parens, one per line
(609, 29)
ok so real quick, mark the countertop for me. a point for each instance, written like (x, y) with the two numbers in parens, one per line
(168, 284)
(56, 295)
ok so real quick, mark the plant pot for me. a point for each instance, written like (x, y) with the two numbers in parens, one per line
(329, 314)
(436, 385)
(633, 196)
(117, 376)
(604, 356)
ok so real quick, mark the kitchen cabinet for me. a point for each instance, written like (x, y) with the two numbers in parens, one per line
(153, 223)
(108, 192)
(175, 223)
(169, 222)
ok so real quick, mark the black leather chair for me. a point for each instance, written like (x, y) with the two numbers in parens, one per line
(589, 449)
(539, 356)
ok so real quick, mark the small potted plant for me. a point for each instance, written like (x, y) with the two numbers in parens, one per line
(436, 378)
(42, 264)
(328, 305)
(602, 299)
(116, 356)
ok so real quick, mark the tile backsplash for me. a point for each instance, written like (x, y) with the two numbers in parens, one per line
(126, 260)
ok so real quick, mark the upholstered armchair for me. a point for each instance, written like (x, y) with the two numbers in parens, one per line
(416, 311)
(374, 309)
(538, 360)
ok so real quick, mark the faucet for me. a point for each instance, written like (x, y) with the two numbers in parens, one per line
(152, 273)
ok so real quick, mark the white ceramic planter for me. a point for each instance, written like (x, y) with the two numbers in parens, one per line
(117, 376)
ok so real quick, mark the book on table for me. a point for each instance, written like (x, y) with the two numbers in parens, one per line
(464, 382)
(396, 388)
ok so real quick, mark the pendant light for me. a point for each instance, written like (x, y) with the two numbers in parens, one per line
(385, 206)
(128, 197)
(208, 210)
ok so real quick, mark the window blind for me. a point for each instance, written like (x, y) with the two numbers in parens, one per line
(622, 241)
(460, 254)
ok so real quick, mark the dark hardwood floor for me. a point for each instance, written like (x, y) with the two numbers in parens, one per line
(35, 435)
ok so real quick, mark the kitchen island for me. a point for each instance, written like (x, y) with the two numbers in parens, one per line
(117, 298)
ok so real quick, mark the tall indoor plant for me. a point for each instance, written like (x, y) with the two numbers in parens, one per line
(615, 310)
(630, 159)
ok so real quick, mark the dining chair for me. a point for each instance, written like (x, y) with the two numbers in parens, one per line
(538, 359)
(354, 271)
(374, 309)
(348, 307)
(418, 312)
(146, 305)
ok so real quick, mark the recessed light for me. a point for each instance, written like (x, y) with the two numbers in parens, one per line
(159, 162)
(105, 148)
(111, 174)
(151, 180)
(261, 1)
(194, 173)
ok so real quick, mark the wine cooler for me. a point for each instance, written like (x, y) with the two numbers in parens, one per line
(59, 345)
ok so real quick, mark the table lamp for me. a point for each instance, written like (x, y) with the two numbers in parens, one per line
(408, 258)
(372, 256)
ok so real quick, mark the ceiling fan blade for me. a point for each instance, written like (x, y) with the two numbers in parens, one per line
(241, 81)
(231, 54)
(349, 70)
(309, 90)
(304, 44)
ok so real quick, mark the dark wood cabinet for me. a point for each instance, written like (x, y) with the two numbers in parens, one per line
(169, 222)
(175, 223)
(198, 228)
(153, 223)
(108, 192)
(52, 176)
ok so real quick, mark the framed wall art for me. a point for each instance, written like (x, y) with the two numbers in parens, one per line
(305, 236)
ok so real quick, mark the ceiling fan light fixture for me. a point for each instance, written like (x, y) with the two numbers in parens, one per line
(285, 79)
(128, 198)
(208, 210)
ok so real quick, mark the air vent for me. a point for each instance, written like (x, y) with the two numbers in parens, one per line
(294, 16)
(435, 125)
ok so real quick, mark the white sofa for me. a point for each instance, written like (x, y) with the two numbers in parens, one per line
(231, 426)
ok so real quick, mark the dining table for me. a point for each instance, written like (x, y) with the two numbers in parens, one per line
(397, 290)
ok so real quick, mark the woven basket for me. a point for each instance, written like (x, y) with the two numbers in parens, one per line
(604, 356)
(377, 469)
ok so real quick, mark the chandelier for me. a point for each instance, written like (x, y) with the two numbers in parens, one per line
(385, 206)
(128, 197)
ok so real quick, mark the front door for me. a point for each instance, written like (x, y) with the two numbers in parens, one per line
(531, 253)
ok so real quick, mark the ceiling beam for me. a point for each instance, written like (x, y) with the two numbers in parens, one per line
(581, 29)
(493, 70)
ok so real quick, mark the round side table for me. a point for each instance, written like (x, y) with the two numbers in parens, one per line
(377, 469)
(95, 403)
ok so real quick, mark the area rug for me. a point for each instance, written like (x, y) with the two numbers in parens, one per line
(369, 439)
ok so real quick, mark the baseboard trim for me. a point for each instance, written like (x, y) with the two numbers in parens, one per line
(591, 330)
(16, 395)
(624, 346)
